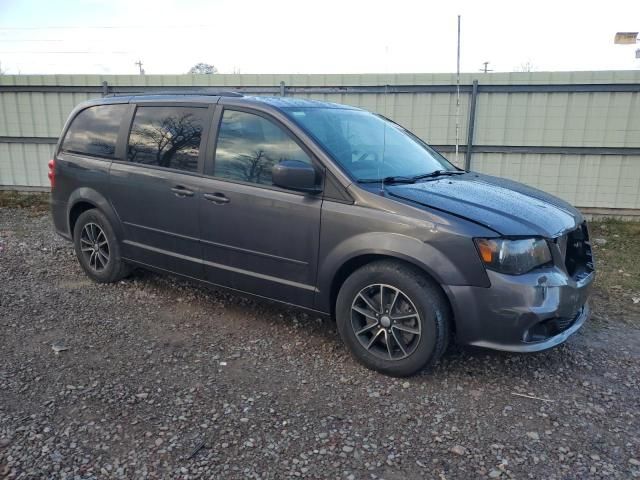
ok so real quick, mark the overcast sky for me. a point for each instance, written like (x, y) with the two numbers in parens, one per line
(327, 36)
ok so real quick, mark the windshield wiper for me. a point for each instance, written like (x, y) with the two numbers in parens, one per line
(388, 180)
(438, 173)
(414, 179)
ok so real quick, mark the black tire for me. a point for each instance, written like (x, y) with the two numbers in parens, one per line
(102, 266)
(419, 295)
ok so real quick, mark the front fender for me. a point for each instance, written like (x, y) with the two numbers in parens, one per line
(449, 261)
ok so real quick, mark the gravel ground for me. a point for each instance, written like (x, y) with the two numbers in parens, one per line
(159, 378)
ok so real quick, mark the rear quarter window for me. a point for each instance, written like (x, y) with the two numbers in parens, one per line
(94, 131)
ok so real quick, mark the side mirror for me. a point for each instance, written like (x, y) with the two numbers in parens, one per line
(295, 175)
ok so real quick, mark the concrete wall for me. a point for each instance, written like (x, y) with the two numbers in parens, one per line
(573, 134)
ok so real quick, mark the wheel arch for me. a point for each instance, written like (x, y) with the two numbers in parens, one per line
(359, 261)
(86, 198)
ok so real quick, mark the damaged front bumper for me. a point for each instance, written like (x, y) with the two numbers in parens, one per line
(524, 313)
(530, 312)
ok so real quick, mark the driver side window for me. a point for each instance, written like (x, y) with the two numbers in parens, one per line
(249, 146)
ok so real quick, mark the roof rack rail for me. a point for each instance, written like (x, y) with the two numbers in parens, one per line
(204, 92)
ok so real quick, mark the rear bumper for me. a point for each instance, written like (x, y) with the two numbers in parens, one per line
(524, 313)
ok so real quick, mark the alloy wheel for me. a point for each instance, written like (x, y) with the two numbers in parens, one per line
(386, 322)
(94, 246)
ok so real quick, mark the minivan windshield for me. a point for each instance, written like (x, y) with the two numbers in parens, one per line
(369, 147)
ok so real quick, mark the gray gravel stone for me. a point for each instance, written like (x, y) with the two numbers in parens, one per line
(157, 365)
(458, 450)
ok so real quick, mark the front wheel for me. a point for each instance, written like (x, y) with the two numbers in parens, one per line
(393, 318)
(97, 248)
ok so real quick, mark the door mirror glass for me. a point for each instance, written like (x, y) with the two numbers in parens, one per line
(295, 175)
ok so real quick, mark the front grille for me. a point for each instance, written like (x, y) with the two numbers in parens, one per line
(576, 253)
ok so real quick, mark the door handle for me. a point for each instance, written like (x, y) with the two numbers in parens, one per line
(218, 198)
(182, 191)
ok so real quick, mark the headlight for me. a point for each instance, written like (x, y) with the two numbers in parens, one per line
(513, 257)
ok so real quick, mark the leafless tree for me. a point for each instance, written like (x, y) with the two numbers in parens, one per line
(525, 67)
(252, 167)
(202, 68)
(167, 137)
(255, 167)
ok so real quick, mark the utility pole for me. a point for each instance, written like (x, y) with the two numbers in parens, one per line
(139, 64)
(485, 68)
(458, 94)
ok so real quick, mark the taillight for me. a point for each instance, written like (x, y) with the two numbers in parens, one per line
(52, 173)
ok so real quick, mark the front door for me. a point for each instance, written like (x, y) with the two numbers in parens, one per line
(256, 237)
(155, 192)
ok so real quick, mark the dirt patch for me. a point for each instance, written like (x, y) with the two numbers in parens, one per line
(616, 246)
(32, 202)
(156, 366)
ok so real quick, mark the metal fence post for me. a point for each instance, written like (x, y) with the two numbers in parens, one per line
(471, 126)
(282, 88)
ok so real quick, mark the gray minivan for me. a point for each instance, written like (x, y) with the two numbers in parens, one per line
(326, 207)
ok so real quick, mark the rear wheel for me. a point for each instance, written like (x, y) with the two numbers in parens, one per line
(393, 318)
(97, 248)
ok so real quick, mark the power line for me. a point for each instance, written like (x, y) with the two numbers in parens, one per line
(33, 52)
(28, 40)
(105, 27)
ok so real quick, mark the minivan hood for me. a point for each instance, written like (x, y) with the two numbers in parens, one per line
(505, 206)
